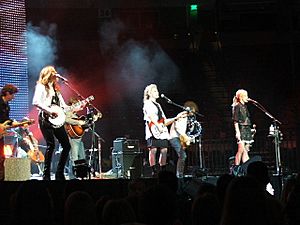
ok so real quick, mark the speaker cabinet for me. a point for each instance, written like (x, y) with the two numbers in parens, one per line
(127, 158)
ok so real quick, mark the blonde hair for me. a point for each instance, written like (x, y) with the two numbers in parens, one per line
(46, 75)
(148, 90)
(238, 96)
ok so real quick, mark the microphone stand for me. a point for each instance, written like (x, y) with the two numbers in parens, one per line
(183, 108)
(92, 160)
(274, 132)
(80, 96)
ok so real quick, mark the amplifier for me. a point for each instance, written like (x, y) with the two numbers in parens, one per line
(127, 158)
(126, 145)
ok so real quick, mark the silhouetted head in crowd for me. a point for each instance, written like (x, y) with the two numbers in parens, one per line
(158, 206)
(169, 179)
(32, 204)
(259, 171)
(245, 203)
(222, 184)
(118, 211)
(206, 210)
(80, 209)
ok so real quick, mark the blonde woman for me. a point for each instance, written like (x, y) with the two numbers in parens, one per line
(242, 126)
(156, 130)
(47, 93)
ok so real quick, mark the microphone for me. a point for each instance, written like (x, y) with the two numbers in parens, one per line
(251, 100)
(188, 109)
(61, 77)
(165, 97)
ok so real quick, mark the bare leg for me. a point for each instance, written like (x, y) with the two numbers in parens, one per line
(239, 154)
(245, 156)
(152, 156)
(163, 157)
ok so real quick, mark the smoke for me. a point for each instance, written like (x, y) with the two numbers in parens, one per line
(135, 64)
(109, 35)
(143, 63)
(41, 47)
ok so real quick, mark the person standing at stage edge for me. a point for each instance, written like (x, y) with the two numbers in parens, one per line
(7, 94)
(242, 126)
(47, 93)
(156, 131)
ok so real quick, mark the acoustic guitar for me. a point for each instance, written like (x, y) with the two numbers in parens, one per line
(77, 131)
(74, 131)
(5, 126)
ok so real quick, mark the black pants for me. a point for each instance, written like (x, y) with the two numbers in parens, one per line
(49, 134)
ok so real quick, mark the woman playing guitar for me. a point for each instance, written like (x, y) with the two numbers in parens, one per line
(157, 133)
(47, 93)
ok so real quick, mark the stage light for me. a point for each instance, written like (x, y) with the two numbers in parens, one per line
(8, 150)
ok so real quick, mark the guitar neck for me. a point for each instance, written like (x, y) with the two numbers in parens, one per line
(77, 104)
(16, 125)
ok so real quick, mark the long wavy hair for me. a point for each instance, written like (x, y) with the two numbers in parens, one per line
(46, 75)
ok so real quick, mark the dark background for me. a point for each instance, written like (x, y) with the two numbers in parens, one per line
(113, 49)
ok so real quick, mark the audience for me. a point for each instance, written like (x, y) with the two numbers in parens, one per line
(206, 210)
(245, 203)
(32, 204)
(232, 201)
(292, 208)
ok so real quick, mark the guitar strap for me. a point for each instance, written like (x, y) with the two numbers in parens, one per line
(160, 113)
(43, 116)
(55, 99)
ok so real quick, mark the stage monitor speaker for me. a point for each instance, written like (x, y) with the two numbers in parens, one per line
(127, 158)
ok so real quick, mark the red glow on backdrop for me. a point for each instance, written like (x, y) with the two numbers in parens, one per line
(85, 86)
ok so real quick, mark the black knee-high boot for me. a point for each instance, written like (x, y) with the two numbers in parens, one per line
(47, 165)
(154, 171)
(59, 175)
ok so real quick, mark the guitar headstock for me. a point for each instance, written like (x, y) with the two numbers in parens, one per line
(30, 121)
(90, 98)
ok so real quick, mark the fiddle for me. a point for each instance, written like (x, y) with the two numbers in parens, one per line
(34, 153)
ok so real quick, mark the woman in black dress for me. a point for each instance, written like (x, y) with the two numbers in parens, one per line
(242, 126)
